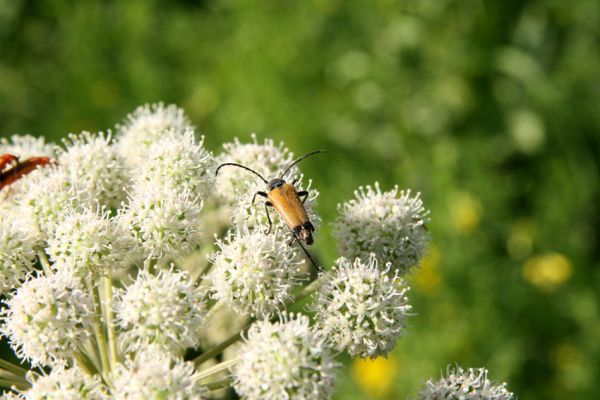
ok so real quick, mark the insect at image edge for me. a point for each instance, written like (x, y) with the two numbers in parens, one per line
(285, 199)
(20, 169)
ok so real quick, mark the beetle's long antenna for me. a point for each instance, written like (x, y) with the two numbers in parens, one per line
(319, 269)
(302, 158)
(241, 166)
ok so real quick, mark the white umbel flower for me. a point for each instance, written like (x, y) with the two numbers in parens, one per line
(66, 384)
(156, 375)
(255, 273)
(47, 319)
(25, 146)
(389, 224)
(145, 126)
(89, 242)
(267, 159)
(18, 246)
(165, 310)
(45, 196)
(460, 384)
(165, 222)
(360, 309)
(284, 360)
(178, 161)
(92, 164)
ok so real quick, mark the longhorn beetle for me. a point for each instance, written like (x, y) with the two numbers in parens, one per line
(285, 199)
(20, 169)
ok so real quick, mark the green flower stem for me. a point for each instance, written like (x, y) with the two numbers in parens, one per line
(212, 310)
(98, 328)
(307, 290)
(84, 362)
(45, 263)
(108, 295)
(225, 365)
(16, 383)
(221, 384)
(213, 351)
(9, 376)
(15, 369)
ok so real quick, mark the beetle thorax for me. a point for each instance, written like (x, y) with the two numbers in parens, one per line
(275, 183)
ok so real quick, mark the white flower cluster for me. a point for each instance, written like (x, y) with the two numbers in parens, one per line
(153, 374)
(104, 291)
(255, 273)
(284, 360)
(145, 126)
(48, 318)
(361, 308)
(89, 241)
(471, 384)
(18, 246)
(67, 384)
(164, 310)
(389, 224)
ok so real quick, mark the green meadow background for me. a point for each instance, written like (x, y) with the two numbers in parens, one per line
(490, 109)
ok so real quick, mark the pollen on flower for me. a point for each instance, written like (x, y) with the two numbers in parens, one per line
(255, 273)
(389, 224)
(164, 310)
(471, 384)
(48, 318)
(284, 360)
(360, 309)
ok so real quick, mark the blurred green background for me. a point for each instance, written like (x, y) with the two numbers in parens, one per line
(491, 109)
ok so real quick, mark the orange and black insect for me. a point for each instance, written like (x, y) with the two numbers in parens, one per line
(286, 201)
(20, 169)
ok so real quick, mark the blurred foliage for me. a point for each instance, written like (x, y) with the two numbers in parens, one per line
(489, 108)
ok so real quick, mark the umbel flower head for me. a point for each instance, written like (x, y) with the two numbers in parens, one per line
(47, 318)
(178, 161)
(92, 163)
(267, 159)
(471, 384)
(18, 246)
(284, 360)
(153, 374)
(163, 221)
(65, 384)
(25, 146)
(362, 309)
(145, 126)
(255, 273)
(89, 242)
(389, 224)
(164, 310)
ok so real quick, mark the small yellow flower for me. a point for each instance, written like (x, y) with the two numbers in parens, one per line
(375, 377)
(548, 271)
(465, 213)
(428, 278)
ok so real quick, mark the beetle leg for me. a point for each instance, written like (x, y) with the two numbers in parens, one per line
(267, 205)
(263, 194)
(303, 193)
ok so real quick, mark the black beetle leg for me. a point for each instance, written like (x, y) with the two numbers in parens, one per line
(263, 194)
(267, 205)
(303, 193)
